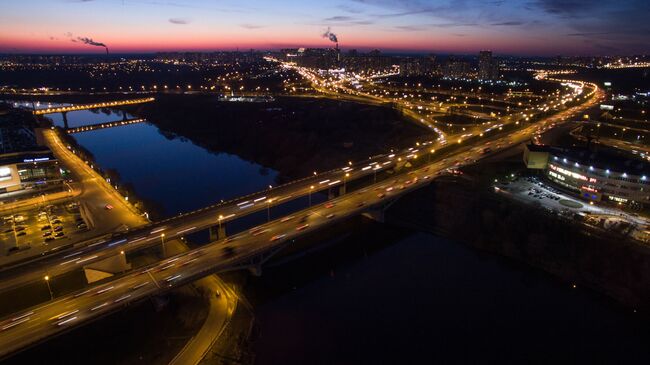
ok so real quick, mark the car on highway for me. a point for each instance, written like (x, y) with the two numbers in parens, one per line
(329, 205)
(330, 216)
(277, 237)
(108, 207)
(302, 227)
(259, 231)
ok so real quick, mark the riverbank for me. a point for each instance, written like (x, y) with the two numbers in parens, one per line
(294, 136)
(469, 211)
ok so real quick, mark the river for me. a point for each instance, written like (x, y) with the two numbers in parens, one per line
(173, 173)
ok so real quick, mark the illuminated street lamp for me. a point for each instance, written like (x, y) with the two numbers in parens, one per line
(268, 210)
(49, 288)
(345, 179)
(311, 188)
(162, 242)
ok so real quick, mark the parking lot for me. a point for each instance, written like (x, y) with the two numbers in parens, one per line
(532, 190)
(51, 225)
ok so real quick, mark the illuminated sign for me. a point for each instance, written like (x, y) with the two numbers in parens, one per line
(589, 188)
(606, 107)
(617, 199)
(556, 175)
(566, 172)
(607, 83)
(36, 159)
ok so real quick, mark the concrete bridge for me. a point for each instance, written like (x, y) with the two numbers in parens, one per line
(248, 250)
(106, 104)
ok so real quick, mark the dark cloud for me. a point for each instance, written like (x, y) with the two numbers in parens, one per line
(568, 8)
(346, 20)
(411, 28)
(586, 34)
(339, 18)
(350, 9)
(252, 26)
(451, 25)
(510, 23)
(181, 21)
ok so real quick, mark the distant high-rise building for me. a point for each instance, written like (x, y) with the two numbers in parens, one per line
(455, 68)
(488, 68)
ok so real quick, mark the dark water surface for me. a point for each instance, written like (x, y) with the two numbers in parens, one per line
(422, 299)
(176, 174)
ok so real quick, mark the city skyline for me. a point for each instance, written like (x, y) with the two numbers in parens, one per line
(542, 27)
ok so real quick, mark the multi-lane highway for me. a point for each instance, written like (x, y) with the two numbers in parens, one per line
(40, 322)
(95, 249)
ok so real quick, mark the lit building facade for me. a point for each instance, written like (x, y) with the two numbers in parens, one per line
(596, 176)
(28, 169)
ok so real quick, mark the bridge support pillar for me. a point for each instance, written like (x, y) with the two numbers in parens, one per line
(342, 190)
(124, 115)
(217, 232)
(65, 120)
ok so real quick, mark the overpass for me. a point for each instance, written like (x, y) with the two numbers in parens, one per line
(247, 250)
(92, 127)
(214, 217)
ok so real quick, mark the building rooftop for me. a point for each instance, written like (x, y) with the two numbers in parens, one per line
(599, 157)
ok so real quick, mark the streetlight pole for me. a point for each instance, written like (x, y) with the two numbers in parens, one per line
(162, 242)
(431, 153)
(49, 288)
(268, 210)
(311, 188)
(345, 179)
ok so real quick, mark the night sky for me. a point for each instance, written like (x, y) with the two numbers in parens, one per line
(517, 27)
